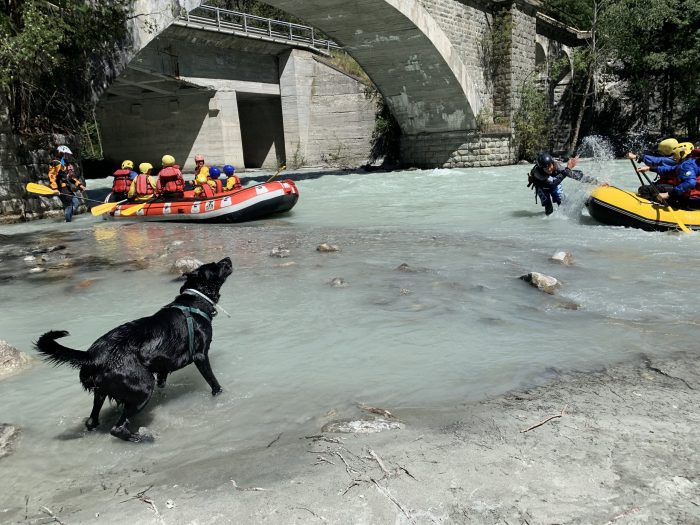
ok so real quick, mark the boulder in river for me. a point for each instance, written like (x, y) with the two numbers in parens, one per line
(8, 438)
(325, 248)
(12, 360)
(185, 264)
(543, 282)
(565, 258)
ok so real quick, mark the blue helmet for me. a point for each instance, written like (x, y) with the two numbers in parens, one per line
(214, 172)
(229, 170)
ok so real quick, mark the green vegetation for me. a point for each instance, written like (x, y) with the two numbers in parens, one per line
(653, 45)
(51, 53)
(532, 122)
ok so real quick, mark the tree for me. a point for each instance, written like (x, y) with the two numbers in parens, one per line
(51, 54)
(656, 47)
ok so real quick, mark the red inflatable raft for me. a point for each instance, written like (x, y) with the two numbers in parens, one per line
(245, 204)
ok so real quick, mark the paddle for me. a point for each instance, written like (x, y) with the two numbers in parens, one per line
(132, 210)
(106, 207)
(658, 194)
(33, 187)
(281, 168)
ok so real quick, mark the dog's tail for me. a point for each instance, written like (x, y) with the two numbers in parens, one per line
(58, 354)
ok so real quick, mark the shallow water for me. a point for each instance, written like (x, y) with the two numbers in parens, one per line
(298, 352)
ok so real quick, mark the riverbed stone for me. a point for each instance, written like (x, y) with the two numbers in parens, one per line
(279, 252)
(565, 258)
(543, 282)
(12, 360)
(325, 248)
(9, 435)
(185, 264)
(361, 426)
(338, 282)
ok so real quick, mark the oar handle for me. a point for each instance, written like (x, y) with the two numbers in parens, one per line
(637, 172)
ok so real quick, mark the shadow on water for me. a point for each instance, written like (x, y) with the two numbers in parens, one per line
(111, 411)
(523, 214)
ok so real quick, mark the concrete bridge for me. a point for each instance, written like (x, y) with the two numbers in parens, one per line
(436, 63)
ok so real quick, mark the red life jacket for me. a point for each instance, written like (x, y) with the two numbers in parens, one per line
(219, 186)
(207, 191)
(170, 180)
(122, 181)
(695, 192)
(143, 187)
(669, 178)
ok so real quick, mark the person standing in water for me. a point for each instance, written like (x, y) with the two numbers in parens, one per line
(547, 175)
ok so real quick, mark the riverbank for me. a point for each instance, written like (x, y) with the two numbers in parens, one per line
(615, 446)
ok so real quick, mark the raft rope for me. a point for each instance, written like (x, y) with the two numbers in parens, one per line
(191, 291)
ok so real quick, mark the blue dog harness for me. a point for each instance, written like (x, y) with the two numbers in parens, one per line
(188, 311)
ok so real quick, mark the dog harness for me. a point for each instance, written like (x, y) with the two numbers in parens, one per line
(188, 311)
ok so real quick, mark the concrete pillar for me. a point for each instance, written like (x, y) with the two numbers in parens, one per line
(225, 103)
(296, 84)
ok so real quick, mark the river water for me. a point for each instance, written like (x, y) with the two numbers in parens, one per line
(298, 352)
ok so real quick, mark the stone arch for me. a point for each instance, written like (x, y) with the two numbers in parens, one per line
(398, 44)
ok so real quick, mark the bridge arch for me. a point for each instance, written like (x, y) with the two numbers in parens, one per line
(397, 42)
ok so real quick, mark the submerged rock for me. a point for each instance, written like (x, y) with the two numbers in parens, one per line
(185, 264)
(543, 282)
(361, 426)
(12, 360)
(325, 247)
(8, 438)
(338, 282)
(565, 258)
(279, 252)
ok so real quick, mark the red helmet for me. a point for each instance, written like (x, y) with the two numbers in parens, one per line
(199, 158)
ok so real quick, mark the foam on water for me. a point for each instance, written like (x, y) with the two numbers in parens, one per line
(460, 325)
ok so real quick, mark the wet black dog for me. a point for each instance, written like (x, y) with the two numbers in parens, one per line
(121, 364)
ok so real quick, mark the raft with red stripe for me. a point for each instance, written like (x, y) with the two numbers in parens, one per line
(244, 204)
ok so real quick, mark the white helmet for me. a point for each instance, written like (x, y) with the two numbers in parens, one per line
(64, 149)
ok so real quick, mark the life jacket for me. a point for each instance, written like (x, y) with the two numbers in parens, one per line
(54, 168)
(219, 187)
(669, 178)
(204, 190)
(170, 180)
(122, 181)
(142, 185)
(233, 182)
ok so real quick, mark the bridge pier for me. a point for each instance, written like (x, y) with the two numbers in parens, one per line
(458, 149)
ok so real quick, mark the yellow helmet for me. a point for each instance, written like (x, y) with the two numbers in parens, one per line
(682, 150)
(168, 160)
(145, 166)
(666, 146)
(127, 165)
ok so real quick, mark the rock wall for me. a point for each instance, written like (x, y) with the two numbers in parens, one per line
(21, 163)
(458, 150)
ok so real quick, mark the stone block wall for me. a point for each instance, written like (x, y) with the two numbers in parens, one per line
(20, 164)
(467, 25)
(457, 149)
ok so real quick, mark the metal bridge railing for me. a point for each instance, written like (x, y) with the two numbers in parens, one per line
(224, 19)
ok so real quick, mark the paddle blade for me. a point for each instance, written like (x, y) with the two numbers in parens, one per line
(132, 210)
(33, 187)
(104, 208)
(280, 170)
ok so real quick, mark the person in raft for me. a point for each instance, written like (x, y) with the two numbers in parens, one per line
(547, 175)
(171, 183)
(677, 184)
(664, 157)
(122, 180)
(144, 186)
(202, 180)
(232, 180)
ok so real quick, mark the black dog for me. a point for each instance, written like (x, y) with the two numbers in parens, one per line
(121, 364)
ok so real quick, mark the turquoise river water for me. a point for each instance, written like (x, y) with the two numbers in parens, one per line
(461, 326)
